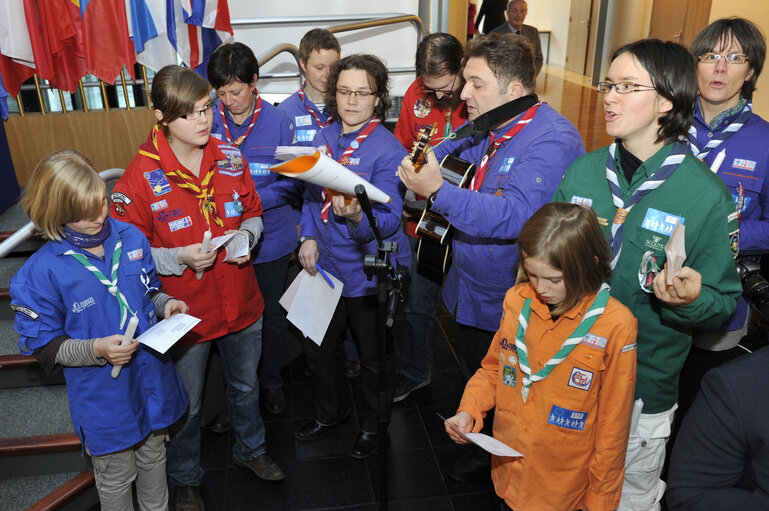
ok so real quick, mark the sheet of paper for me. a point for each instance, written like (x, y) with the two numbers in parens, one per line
(675, 251)
(320, 169)
(485, 442)
(289, 152)
(235, 244)
(310, 303)
(164, 334)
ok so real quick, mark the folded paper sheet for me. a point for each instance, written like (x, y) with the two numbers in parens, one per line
(317, 168)
(675, 250)
(310, 303)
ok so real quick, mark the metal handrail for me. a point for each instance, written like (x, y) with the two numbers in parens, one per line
(28, 230)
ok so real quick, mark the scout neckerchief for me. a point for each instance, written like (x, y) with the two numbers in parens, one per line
(254, 117)
(345, 160)
(203, 192)
(717, 140)
(667, 168)
(494, 144)
(110, 284)
(588, 320)
(312, 111)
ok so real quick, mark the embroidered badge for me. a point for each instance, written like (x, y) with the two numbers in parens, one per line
(566, 418)
(582, 201)
(501, 357)
(507, 164)
(259, 169)
(580, 378)
(741, 164)
(233, 160)
(157, 206)
(628, 347)
(305, 135)
(512, 359)
(182, 223)
(145, 278)
(79, 307)
(508, 376)
(302, 120)
(731, 217)
(353, 161)
(133, 255)
(120, 197)
(594, 341)
(167, 216)
(25, 310)
(422, 107)
(661, 222)
(507, 345)
(158, 182)
(734, 242)
(655, 243)
(740, 203)
(232, 209)
(647, 271)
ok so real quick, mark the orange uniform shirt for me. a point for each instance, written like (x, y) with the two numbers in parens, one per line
(573, 428)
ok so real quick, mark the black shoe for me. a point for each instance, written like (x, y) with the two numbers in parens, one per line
(352, 368)
(263, 466)
(312, 430)
(276, 401)
(471, 465)
(404, 386)
(188, 499)
(222, 423)
(365, 445)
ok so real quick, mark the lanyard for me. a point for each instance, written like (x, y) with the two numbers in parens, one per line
(110, 284)
(345, 160)
(588, 320)
(254, 117)
(494, 144)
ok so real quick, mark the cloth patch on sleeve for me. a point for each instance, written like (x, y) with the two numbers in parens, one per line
(741, 164)
(25, 310)
(157, 206)
(120, 197)
(628, 347)
(182, 223)
(133, 255)
(566, 418)
(158, 182)
(302, 120)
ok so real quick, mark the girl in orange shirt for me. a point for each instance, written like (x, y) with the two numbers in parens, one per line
(560, 371)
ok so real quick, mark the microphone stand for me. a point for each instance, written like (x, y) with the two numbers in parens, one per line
(381, 266)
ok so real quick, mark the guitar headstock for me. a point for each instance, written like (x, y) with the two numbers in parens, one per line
(421, 145)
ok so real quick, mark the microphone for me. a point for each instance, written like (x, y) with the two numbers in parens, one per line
(496, 116)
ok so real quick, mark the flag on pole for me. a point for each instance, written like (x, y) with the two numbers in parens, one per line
(17, 63)
(108, 47)
(153, 31)
(201, 27)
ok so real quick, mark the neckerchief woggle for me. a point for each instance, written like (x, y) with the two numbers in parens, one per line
(667, 168)
(254, 117)
(494, 144)
(202, 192)
(588, 320)
(345, 160)
(111, 285)
(717, 140)
(315, 115)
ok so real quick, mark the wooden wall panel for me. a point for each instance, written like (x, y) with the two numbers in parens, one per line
(109, 139)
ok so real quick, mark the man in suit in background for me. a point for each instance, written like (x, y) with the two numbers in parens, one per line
(516, 13)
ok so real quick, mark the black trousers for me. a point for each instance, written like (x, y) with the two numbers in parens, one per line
(326, 362)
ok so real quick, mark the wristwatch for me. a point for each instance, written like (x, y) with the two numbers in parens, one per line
(431, 198)
(305, 238)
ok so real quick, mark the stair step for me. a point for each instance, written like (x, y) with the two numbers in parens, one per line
(77, 493)
(18, 493)
(13, 218)
(8, 268)
(17, 371)
(9, 338)
(34, 411)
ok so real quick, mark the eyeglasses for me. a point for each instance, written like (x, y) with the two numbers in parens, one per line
(363, 94)
(450, 90)
(622, 87)
(194, 115)
(732, 58)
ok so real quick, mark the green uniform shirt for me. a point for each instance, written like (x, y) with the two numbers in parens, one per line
(699, 200)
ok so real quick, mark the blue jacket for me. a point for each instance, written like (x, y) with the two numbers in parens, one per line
(341, 247)
(281, 196)
(54, 295)
(746, 164)
(523, 175)
(304, 122)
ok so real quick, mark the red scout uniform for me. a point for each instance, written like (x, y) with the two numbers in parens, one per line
(573, 427)
(227, 298)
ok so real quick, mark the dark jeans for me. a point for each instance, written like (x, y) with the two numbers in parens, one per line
(473, 346)
(271, 277)
(326, 364)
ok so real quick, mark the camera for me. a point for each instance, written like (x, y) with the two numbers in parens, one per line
(755, 288)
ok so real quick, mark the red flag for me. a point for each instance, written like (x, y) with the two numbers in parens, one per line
(107, 45)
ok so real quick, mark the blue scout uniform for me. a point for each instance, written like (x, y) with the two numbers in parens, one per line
(342, 247)
(54, 295)
(281, 197)
(744, 172)
(305, 123)
(522, 176)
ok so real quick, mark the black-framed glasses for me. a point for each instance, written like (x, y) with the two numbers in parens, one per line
(197, 113)
(363, 94)
(450, 90)
(622, 87)
(732, 58)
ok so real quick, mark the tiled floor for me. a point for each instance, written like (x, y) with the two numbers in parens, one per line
(321, 474)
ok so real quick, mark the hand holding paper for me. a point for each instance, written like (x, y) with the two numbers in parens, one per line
(675, 250)
(485, 442)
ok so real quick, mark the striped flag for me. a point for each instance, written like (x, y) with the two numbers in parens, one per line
(153, 30)
(17, 63)
(201, 27)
